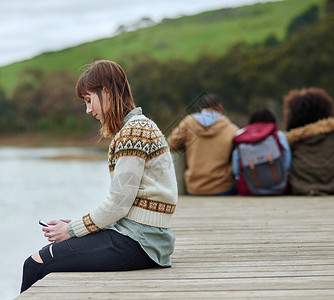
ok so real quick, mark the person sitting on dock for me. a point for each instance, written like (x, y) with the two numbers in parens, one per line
(130, 229)
(206, 137)
(262, 156)
(308, 117)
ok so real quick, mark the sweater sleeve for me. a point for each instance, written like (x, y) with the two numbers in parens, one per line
(125, 182)
(177, 138)
(286, 149)
(235, 163)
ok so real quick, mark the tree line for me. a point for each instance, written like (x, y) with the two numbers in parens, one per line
(246, 77)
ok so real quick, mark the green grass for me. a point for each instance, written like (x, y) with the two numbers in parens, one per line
(185, 38)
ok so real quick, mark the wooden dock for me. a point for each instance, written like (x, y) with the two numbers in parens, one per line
(226, 248)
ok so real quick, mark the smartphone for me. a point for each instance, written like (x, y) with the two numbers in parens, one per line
(43, 223)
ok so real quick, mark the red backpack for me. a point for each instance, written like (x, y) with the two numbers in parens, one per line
(261, 159)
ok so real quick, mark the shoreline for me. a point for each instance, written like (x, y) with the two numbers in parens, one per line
(30, 139)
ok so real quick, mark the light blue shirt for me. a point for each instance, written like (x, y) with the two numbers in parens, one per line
(286, 150)
(157, 242)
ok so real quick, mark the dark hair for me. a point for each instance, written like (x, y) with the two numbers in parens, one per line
(262, 115)
(306, 106)
(212, 101)
(110, 77)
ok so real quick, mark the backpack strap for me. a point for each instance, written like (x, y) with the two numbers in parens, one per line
(273, 167)
(253, 172)
(275, 134)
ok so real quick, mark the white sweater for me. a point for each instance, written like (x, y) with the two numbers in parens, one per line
(143, 185)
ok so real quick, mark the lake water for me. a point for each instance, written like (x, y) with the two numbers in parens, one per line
(33, 186)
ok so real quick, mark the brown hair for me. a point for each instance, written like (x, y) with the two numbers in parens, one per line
(110, 77)
(306, 106)
(212, 101)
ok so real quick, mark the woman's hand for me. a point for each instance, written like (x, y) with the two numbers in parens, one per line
(57, 232)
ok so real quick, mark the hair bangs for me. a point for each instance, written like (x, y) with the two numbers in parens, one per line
(81, 88)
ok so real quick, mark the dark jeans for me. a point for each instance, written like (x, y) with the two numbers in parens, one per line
(106, 250)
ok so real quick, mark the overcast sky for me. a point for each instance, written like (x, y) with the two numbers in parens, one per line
(30, 27)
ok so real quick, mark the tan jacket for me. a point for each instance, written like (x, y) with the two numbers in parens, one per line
(312, 168)
(208, 154)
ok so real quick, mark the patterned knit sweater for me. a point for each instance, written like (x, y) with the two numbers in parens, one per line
(143, 185)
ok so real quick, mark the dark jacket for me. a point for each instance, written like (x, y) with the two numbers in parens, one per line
(312, 168)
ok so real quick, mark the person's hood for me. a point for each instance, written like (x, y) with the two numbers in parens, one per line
(207, 117)
(207, 124)
(310, 130)
(255, 132)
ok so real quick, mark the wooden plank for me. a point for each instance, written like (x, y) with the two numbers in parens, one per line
(191, 285)
(226, 247)
(193, 275)
(277, 295)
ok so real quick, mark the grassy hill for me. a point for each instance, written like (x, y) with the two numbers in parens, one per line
(183, 38)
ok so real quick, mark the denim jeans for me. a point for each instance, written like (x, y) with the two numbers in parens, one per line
(106, 250)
